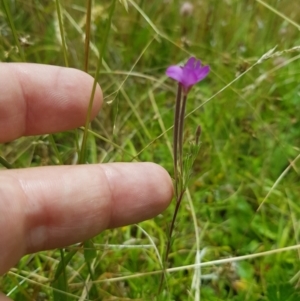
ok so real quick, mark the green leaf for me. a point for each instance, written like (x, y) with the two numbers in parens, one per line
(282, 292)
(59, 283)
(89, 251)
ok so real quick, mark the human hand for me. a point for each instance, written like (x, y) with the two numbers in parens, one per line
(52, 207)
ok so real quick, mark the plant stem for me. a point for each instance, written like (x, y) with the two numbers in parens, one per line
(175, 136)
(88, 116)
(178, 202)
(178, 167)
(62, 33)
(13, 29)
(87, 35)
(180, 134)
(168, 249)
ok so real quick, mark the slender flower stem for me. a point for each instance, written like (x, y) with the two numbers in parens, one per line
(178, 202)
(176, 135)
(168, 249)
(178, 167)
(180, 134)
(178, 162)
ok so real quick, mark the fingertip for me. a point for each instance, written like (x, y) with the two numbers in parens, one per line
(56, 206)
(165, 189)
(146, 192)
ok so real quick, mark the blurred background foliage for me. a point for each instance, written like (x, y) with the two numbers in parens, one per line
(250, 141)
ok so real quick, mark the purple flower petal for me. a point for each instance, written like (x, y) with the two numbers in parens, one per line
(190, 63)
(202, 73)
(175, 72)
(189, 77)
(190, 74)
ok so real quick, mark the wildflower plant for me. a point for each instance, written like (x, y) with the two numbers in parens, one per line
(187, 76)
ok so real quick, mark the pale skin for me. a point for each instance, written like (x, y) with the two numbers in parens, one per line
(52, 207)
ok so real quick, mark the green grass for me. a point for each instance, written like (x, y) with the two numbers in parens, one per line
(249, 114)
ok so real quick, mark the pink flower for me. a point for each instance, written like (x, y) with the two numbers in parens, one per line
(188, 75)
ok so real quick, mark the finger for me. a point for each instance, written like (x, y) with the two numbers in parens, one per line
(52, 207)
(39, 99)
(4, 298)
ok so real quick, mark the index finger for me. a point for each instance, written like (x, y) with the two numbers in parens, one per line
(38, 99)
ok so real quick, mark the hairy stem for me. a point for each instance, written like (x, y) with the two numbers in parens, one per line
(178, 168)
(168, 249)
(180, 134)
(176, 137)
